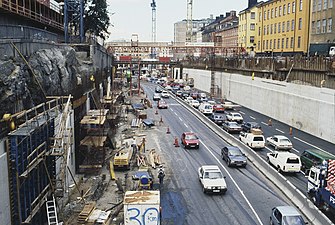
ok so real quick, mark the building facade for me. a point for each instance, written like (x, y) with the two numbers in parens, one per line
(322, 32)
(283, 27)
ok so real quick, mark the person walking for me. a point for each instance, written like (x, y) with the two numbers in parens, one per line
(161, 175)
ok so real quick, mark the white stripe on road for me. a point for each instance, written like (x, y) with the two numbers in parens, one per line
(242, 112)
(295, 150)
(171, 110)
(238, 188)
(185, 125)
(309, 144)
(280, 131)
(180, 119)
(264, 123)
(252, 117)
(175, 113)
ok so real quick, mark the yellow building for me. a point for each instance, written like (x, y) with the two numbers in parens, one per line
(247, 27)
(283, 26)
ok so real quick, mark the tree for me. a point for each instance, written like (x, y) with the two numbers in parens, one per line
(96, 19)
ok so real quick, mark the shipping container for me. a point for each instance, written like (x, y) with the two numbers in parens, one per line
(142, 208)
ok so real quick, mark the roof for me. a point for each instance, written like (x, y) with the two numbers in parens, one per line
(288, 210)
(189, 133)
(289, 154)
(280, 136)
(142, 197)
(210, 167)
(322, 153)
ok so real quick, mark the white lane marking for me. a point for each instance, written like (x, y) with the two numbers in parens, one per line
(180, 119)
(267, 148)
(175, 113)
(185, 125)
(171, 109)
(264, 123)
(174, 104)
(309, 144)
(295, 150)
(252, 117)
(242, 112)
(238, 188)
(280, 131)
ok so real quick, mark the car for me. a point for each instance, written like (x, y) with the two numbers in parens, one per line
(217, 118)
(233, 156)
(165, 94)
(185, 94)
(247, 126)
(194, 95)
(282, 215)
(158, 89)
(218, 108)
(188, 99)
(231, 126)
(190, 140)
(156, 97)
(162, 104)
(178, 93)
(206, 108)
(284, 161)
(212, 102)
(279, 142)
(168, 87)
(212, 179)
(234, 116)
(195, 103)
(254, 140)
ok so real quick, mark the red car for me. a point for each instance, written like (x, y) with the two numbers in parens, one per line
(218, 108)
(162, 104)
(190, 140)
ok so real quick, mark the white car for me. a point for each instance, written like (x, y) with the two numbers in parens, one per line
(234, 116)
(165, 94)
(211, 179)
(195, 103)
(156, 97)
(284, 161)
(279, 142)
(188, 100)
(206, 108)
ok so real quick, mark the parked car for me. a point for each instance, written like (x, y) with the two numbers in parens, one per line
(279, 142)
(217, 118)
(178, 93)
(234, 116)
(190, 140)
(195, 103)
(218, 108)
(158, 89)
(165, 94)
(231, 127)
(156, 97)
(206, 108)
(284, 161)
(185, 94)
(282, 215)
(162, 104)
(212, 179)
(188, 99)
(233, 156)
(194, 95)
(247, 126)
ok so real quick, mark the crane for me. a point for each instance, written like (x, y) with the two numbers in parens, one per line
(153, 34)
(189, 23)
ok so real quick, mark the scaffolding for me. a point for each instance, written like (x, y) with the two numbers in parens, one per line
(31, 172)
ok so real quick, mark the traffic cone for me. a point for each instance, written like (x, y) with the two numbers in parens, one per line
(168, 130)
(176, 143)
(291, 131)
(270, 122)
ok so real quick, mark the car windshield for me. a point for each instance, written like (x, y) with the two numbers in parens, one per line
(213, 175)
(191, 137)
(293, 220)
(284, 141)
(234, 152)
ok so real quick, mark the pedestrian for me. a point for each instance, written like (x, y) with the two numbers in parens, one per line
(143, 145)
(127, 109)
(134, 145)
(161, 175)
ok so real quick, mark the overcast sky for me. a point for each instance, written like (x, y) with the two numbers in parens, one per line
(134, 16)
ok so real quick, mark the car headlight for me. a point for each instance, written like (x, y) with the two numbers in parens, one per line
(244, 161)
(223, 187)
(232, 161)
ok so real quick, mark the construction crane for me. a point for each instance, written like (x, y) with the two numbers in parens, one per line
(153, 31)
(189, 22)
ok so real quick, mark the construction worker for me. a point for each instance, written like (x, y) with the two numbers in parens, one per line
(161, 175)
(134, 145)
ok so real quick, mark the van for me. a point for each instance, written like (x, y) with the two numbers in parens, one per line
(206, 108)
(313, 157)
(284, 161)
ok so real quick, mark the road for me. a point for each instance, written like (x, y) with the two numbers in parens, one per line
(250, 195)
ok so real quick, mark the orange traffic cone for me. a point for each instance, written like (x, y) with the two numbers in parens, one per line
(176, 143)
(168, 130)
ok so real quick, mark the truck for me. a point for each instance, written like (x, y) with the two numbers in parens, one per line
(142, 208)
(321, 185)
(254, 139)
(284, 161)
(122, 158)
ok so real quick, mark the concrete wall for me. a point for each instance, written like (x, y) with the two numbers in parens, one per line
(4, 196)
(307, 108)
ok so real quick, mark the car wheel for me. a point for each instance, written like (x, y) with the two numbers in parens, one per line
(271, 222)
(268, 159)
(203, 189)
(276, 147)
(229, 163)
(279, 169)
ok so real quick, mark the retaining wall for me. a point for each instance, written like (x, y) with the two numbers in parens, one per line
(4, 186)
(310, 109)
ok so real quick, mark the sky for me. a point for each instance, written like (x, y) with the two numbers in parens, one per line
(135, 16)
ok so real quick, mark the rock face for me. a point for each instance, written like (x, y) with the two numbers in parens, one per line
(57, 70)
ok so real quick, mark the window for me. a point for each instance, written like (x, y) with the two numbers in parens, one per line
(324, 26)
(260, 17)
(292, 42)
(252, 26)
(319, 5)
(278, 27)
(252, 15)
(268, 14)
(300, 24)
(314, 6)
(325, 4)
(259, 45)
(259, 31)
(271, 13)
(293, 7)
(286, 42)
(267, 47)
(282, 43)
(288, 26)
(274, 43)
(279, 10)
(300, 5)
(330, 5)
(318, 26)
(252, 39)
(276, 12)
(270, 44)
(278, 43)
(284, 10)
(264, 30)
(271, 28)
(299, 42)
(264, 15)
(267, 29)
(283, 28)
(330, 25)
(313, 27)
(275, 28)
(292, 25)
(263, 43)
(288, 8)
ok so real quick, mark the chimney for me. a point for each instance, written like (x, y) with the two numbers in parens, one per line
(227, 14)
(252, 3)
(233, 13)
